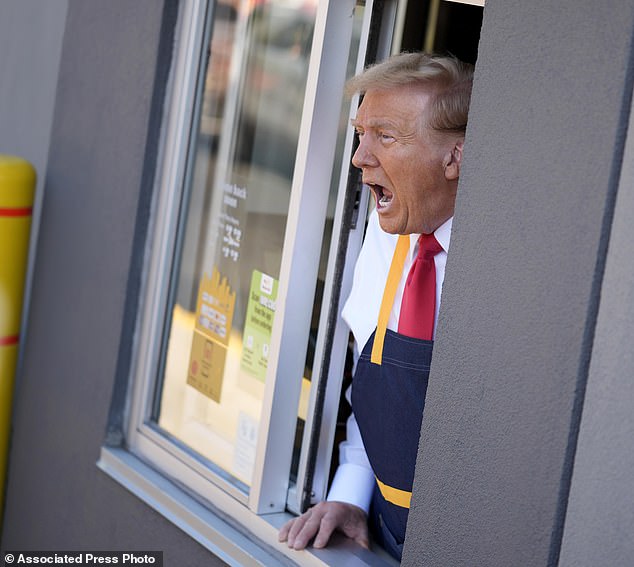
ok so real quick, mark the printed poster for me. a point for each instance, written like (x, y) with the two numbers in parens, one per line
(214, 317)
(258, 325)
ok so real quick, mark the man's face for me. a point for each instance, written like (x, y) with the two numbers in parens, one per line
(412, 170)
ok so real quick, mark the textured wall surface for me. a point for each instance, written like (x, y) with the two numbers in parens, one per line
(103, 150)
(31, 35)
(524, 275)
(600, 517)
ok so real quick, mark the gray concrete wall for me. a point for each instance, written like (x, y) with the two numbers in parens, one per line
(114, 61)
(524, 275)
(600, 516)
(31, 33)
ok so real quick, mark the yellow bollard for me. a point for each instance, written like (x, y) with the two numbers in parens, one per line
(17, 190)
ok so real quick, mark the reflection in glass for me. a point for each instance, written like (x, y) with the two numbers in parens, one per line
(210, 393)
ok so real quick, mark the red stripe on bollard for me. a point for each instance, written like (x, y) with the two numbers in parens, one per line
(10, 340)
(16, 211)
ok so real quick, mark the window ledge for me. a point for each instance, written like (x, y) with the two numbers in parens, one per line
(226, 527)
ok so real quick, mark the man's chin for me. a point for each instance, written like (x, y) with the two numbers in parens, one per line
(389, 229)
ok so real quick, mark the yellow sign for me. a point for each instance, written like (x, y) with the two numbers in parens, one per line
(214, 316)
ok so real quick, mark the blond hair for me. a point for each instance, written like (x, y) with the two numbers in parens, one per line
(448, 79)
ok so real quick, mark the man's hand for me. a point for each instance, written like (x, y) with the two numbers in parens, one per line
(323, 519)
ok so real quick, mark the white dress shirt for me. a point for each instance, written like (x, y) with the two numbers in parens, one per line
(354, 479)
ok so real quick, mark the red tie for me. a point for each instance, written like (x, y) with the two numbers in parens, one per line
(418, 307)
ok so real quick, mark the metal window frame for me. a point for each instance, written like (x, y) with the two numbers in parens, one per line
(332, 338)
(472, 2)
(300, 260)
(299, 266)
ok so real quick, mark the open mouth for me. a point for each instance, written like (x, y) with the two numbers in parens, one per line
(382, 196)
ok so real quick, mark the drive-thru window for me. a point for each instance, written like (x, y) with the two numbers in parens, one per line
(241, 356)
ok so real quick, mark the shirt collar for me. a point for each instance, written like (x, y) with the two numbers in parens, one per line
(442, 234)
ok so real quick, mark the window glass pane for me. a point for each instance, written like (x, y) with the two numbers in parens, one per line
(211, 384)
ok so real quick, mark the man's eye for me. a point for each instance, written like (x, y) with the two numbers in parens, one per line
(386, 138)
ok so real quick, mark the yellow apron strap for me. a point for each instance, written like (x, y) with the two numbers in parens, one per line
(393, 279)
(396, 496)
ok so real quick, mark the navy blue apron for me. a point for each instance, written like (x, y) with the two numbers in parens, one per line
(388, 399)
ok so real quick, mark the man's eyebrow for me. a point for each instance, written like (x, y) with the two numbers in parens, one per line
(375, 124)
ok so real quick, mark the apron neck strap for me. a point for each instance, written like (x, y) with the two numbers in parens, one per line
(393, 279)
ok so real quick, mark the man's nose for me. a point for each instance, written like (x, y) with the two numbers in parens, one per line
(364, 156)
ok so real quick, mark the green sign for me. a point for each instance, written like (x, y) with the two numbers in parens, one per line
(256, 339)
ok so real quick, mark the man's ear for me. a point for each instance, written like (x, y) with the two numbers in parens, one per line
(452, 161)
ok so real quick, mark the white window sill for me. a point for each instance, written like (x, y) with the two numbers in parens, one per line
(226, 527)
